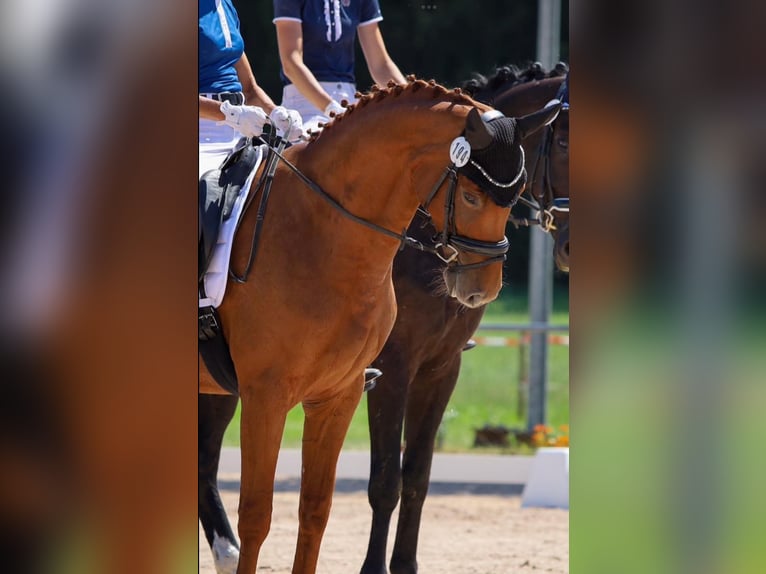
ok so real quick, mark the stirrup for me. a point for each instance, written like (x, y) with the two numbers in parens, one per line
(371, 378)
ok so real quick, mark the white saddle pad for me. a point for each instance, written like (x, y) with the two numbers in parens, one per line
(216, 277)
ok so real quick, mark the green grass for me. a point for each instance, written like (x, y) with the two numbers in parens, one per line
(487, 391)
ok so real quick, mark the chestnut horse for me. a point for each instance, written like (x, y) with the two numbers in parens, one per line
(320, 304)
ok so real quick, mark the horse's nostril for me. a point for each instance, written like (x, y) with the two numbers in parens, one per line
(475, 300)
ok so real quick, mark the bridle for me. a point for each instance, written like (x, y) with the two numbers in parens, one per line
(448, 239)
(545, 202)
(494, 251)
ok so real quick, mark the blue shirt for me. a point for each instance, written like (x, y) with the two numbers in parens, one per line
(329, 31)
(220, 47)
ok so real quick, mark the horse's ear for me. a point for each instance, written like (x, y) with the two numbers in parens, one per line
(476, 131)
(530, 123)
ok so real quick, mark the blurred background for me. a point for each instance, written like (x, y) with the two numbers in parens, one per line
(98, 443)
(667, 307)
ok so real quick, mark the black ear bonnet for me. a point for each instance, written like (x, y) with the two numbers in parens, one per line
(496, 162)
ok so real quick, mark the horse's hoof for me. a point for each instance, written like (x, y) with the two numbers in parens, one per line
(225, 555)
(470, 344)
(371, 378)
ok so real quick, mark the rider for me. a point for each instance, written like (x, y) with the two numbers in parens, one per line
(231, 106)
(231, 103)
(316, 46)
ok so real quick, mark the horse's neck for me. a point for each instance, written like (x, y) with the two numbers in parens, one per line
(383, 160)
(524, 99)
(529, 97)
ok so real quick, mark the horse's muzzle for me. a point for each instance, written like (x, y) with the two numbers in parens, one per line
(473, 289)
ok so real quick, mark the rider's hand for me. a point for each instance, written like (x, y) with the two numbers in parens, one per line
(288, 124)
(247, 120)
(334, 107)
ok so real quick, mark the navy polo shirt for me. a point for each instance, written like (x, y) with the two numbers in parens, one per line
(220, 47)
(329, 31)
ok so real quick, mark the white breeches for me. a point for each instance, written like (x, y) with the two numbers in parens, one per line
(311, 115)
(215, 143)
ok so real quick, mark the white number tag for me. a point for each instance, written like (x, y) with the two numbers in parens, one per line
(460, 151)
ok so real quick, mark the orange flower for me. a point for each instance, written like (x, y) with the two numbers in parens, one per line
(544, 435)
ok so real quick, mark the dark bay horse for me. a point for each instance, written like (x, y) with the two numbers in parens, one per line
(321, 302)
(421, 359)
(507, 90)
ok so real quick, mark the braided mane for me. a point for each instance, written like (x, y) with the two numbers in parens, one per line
(394, 90)
(511, 75)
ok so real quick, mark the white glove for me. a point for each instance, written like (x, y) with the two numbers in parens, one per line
(247, 120)
(288, 124)
(334, 106)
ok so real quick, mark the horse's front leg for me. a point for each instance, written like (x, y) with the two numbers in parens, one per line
(263, 422)
(385, 406)
(324, 430)
(427, 400)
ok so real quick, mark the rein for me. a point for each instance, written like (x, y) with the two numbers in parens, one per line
(264, 182)
(494, 251)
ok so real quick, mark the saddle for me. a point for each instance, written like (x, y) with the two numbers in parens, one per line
(218, 190)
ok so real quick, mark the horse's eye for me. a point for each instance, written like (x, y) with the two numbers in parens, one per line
(470, 198)
(563, 143)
